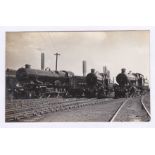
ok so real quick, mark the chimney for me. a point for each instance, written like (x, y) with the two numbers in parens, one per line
(27, 66)
(84, 68)
(93, 70)
(42, 61)
(123, 70)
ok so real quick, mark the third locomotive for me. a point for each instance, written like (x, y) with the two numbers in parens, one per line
(130, 84)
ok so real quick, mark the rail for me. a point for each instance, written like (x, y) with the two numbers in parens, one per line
(118, 110)
(143, 105)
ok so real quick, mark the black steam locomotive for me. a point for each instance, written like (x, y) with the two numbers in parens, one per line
(34, 83)
(98, 85)
(131, 84)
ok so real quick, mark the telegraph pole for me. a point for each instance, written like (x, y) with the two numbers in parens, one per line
(56, 54)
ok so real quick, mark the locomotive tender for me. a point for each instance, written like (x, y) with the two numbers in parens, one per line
(10, 83)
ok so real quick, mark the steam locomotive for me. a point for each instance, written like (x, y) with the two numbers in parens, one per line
(98, 84)
(34, 83)
(131, 84)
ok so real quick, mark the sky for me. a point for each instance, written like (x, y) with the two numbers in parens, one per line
(114, 49)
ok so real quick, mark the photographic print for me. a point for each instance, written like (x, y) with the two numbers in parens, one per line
(78, 76)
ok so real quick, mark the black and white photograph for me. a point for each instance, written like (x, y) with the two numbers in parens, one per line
(77, 76)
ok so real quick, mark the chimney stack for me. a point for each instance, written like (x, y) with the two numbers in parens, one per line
(84, 68)
(42, 61)
(27, 66)
(104, 69)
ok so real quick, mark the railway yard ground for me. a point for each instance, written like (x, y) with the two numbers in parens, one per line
(79, 110)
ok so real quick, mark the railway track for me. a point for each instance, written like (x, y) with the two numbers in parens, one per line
(112, 119)
(145, 105)
(145, 109)
(22, 110)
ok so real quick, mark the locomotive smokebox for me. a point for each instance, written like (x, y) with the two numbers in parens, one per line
(27, 66)
(84, 68)
(42, 61)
